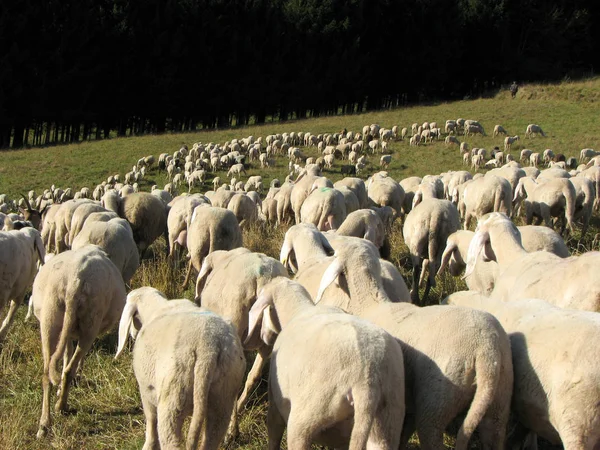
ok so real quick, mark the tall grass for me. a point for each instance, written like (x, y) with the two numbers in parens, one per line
(106, 405)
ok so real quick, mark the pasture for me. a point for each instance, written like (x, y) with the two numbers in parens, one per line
(105, 402)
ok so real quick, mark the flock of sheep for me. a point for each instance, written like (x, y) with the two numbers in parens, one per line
(355, 362)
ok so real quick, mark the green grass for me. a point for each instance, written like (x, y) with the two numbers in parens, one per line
(106, 401)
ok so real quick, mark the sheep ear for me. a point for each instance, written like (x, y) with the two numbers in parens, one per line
(475, 248)
(124, 325)
(205, 271)
(269, 330)
(39, 247)
(256, 312)
(448, 251)
(330, 275)
(326, 245)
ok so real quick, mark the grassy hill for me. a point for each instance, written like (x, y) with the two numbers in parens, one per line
(107, 410)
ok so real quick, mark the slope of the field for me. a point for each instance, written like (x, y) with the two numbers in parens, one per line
(106, 406)
(568, 113)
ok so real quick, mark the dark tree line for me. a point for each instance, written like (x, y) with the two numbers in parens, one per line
(75, 70)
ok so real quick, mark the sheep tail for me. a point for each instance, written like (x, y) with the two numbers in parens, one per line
(365, 410)
(68, 324)
(487, 377)
(202, 369)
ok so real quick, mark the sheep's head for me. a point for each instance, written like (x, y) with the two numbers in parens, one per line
(32, 215)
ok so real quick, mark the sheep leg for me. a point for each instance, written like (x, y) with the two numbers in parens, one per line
(83, 346)
(431, 437)
(187, 275)
(170, 417)
(151, 442)
(300, 429)
(12, 309)
(254, 375)
(45, 418)
(275, 426)
(218, 419)
(414, 292)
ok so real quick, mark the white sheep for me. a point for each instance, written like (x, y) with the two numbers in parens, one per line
(354, 394)
(534, 159)
(20, 252)
(534, 275)
(385, 161)
(188, 362)
(509, 141)
(77, 295)
(425, 231)
(451, 140)
(498, 130)
(587, 153)
(533, 130)
(441, 383)
(560, 406)
(484, 195)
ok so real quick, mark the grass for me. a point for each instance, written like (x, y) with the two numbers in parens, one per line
(107, 411)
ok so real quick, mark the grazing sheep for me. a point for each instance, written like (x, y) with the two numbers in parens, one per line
(214, 291)
(188, 362)
(77, 295)
(425, 231)
(525, 154)
(533, 130)
(237, 170)
(509, 141)
(498, 130)
(561, 407)
(482, 279)
(441, 383)
(244, 209)
(534, 275)
(553, 197)
(385, 191)
(147, 216)
(20, 251)
(484, 195)
(473, 129)
(385, 161)
(451, 140)
(325, 208)
(211, 228)
(587, 153)
(116, 239)
(358, 400)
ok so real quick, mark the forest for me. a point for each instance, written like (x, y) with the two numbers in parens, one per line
(92, 69)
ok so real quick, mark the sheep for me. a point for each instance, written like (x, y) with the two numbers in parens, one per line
(385, 191)
(477, 161)
(325, 208)
(533, 130)
(415, 139)
(547, 156)
(534, 238)
(498, 130)
(525, 155)
(425, 231)
(451, 140)
(450, 126)
(385, 161)
(473, 129)
(77, 295)
(534, 159)
(147, 216)
(188, 362)
(554, 197)
(116, 239)
(210, 228)
(534, 275)
(585, 196)
(509, 141)
(587, 153)
(561, 407)
(244, 209)
(438, 382)
(484, 195)
(21, 251)
(79, 218)
(357, 186)
(403, 133)
(237, 170)
(214, 291)
(358, 401)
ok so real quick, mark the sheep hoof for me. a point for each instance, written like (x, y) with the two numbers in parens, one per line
(42, 432)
